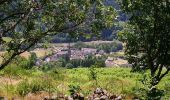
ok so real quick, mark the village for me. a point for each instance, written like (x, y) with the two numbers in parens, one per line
(71, 53)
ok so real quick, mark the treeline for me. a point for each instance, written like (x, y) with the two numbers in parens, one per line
(106, 47)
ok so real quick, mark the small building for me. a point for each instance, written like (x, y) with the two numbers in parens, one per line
(57, 56)
(101, 52)
(77, 54)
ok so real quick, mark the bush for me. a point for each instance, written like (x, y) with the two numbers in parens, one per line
(21, 62)
(25, 63)
(93, 74)
(74, 89)
(69, 65)
(87, 62)
(32, 60)
(15, 70)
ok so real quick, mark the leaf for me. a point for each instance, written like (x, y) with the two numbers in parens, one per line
(7, 39)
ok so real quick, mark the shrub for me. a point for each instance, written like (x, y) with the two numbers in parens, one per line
(32, 60)
(69, 65)
(93, 74)
(73, 88)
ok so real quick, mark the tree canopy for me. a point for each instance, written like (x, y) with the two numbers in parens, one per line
(147, 36)
(25, 22)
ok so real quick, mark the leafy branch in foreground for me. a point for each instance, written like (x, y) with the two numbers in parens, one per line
(26, 22)
(148, 38)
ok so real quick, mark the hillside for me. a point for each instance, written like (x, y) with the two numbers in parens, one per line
(120, 81)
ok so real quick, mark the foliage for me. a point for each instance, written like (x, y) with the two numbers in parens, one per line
(69, 65)
(74, 89)
(80, 45)
(49, 66)
(14, 70)
(27, 63)
(99, 63)
(167, 90)
(93, 74)
(36, 85)
(107, 47)
(155, 94)
(147, 36)
(32, 59)
(26, 22)
(88, 62)
(23, 88)
(114, 80)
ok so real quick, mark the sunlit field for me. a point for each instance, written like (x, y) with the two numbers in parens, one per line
(18, 82)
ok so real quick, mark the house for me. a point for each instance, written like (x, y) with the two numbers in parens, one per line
(57, 56)
(77, 54)
(101, 52)
(62, 53)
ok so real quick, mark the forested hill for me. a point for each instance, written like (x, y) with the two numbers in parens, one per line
(107, 34)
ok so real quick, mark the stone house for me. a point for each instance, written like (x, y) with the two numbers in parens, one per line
(77, 54)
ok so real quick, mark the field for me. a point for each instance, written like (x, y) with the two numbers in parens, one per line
(40, 53)
(120, 81)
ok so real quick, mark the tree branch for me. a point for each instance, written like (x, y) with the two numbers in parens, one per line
(19, 21)
(3, 1)
(167, 71)
(10, 16)
(160, 70)
(8, 61)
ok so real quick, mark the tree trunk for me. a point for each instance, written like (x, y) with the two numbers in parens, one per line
(2, 66)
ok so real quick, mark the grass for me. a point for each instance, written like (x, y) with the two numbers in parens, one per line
(114, 80)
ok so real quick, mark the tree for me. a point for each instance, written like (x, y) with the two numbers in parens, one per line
(148, 36)
(23, 23)
(69, 65)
